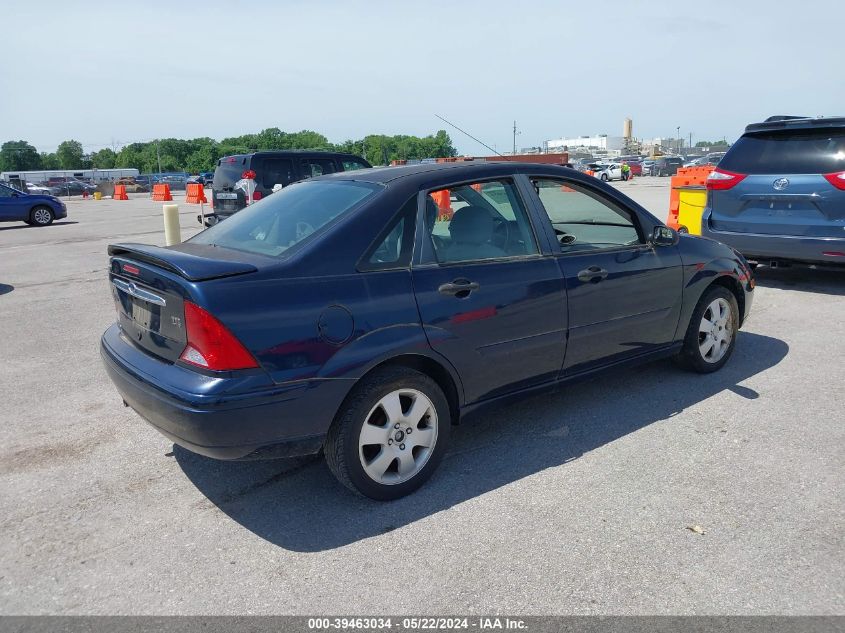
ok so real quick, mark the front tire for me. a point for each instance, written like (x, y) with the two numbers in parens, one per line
(41, 216)
(711, 335)
(390, 434)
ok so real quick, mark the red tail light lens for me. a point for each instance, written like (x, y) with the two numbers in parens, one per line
(837, 179)
(720, 179)
(211, 345)
(256, 195)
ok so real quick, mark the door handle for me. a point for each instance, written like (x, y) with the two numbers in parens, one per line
(594, 274)
(459, 288)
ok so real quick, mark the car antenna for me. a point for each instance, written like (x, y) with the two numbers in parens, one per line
(468, 134)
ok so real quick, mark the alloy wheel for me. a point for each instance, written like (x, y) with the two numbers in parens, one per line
(41, 216)
(715, 331)
(398, 437)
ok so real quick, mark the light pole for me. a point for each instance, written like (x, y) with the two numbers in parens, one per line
(158, 156)
(679, 138)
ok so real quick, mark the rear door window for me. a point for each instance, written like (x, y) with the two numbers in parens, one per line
(313, 167)
(477, 221)
(787, 152)
(350, 165)
(275, 171)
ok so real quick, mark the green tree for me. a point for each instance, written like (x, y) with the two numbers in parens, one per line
(104, 159)
(201, 154)
(49, 160)
(70, 155)
(704, 144)
(19, 155)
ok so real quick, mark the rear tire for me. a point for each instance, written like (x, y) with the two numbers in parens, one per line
(41, 216)
(712, 330)
(390, 434)
(604, 177)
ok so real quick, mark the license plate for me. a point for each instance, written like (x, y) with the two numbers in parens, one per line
(227, 196)
(141, 314)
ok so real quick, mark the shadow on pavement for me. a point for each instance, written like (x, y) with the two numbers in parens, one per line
(299, 505)
(27, 226)
(802, 279)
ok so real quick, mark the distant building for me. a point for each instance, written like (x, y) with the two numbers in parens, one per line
(601, 143)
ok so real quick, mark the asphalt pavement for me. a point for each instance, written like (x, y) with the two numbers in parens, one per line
(647, 491)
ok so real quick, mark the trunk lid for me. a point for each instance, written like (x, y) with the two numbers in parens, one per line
(150, 285)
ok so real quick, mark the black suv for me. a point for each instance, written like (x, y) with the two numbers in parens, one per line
(666, 165)
(271, 168)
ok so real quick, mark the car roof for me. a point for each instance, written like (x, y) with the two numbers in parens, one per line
(421, 172)
(782, 122)
(290, 152)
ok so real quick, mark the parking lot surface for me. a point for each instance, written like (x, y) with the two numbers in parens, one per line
(576, 502)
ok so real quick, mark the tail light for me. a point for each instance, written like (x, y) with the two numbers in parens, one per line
(210, 345)
(720, 179)
(256, 195)
(837, 179)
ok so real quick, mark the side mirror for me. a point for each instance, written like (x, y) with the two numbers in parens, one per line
(664, 236)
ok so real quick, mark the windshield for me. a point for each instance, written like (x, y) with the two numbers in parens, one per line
(287, 217)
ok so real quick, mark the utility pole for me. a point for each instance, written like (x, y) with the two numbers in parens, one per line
(158, 156)
(690, 140)
(514, 138)
(680, 142)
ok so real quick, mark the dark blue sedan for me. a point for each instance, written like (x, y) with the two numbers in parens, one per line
(33, 208)
(364, 313)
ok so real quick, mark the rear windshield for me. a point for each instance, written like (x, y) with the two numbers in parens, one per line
(787, 152)
(287, 217)
(228, 173)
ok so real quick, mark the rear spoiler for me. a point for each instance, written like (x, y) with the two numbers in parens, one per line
(191, 267)
(783, 122)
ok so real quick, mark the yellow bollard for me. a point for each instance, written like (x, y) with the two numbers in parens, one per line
(172, 230)
(98, 195)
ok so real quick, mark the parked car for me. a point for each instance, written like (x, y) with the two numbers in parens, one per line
(38, 189)
(72, 188)
(709, 159)
(646, 167)
(271, 168)
(612, 171)
(695, 161)
(778, 194)
(207, 178)
(133, 185)
(352, 314)
(34, 209)
(666, 165)
(177, 182)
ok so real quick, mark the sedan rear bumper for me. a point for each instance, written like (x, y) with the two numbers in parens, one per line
(212, 417)
(763, 248)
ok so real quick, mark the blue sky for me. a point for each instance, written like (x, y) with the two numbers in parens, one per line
(105, 73)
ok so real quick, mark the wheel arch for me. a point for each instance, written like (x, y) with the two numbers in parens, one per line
(431, 368)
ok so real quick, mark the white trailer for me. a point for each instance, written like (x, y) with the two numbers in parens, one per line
(94, 175)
